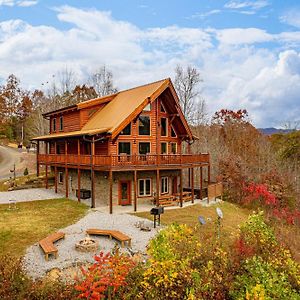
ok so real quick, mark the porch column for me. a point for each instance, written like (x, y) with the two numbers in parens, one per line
(193, 191)
(66, 170)
(78, 171)
(55, 178)
(37, 159)
(55, 170)
(201, 182)
(46, 178)
(181, 189)
(110, 191)
(208, 174)
(135, 190)
(93, 172)
(157, 187)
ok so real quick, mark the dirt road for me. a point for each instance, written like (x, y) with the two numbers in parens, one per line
(9, 157)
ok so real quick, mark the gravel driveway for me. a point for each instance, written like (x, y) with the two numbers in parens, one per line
(28, 195)
(34, 261)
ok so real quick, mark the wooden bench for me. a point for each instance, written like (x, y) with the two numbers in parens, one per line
(117, 235)
(47, 244)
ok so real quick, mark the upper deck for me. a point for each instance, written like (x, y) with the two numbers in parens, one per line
(124, 162)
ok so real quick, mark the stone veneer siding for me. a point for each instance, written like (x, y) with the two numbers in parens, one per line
(102, 184)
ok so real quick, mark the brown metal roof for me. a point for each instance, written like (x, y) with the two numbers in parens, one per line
(70, 134)
(123, 105)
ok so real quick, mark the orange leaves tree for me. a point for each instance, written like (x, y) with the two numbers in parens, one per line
(103, 279)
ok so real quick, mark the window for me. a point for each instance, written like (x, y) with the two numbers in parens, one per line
(54, 124)
(61, 123)
(144, 147)
(163, 148)
(164, 189)
(173, 148)
(144, 125)
(124, 147)
(147, 107)
(173, 133)
(162, 109)
(60, 177)
(145, 187)
(163, 124)
(126, 130)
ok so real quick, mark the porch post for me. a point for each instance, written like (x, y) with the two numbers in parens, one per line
(37, 159)
(78, 171)
(55, 170)
(135, 191)
(201, 182)
(55, 178)
(46, 179)
(181, 189)
(110, 191)
(93, 172)
(208, 174)
(157, 187)
(66, 170)
(193, 191)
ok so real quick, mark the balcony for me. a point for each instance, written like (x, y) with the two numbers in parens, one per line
(124, 161)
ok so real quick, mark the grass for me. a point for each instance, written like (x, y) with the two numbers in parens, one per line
(32, 221)
(233, 217)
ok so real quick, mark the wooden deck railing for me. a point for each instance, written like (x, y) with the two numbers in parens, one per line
(123, 160)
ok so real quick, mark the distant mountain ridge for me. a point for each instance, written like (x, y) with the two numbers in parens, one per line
(272, 130)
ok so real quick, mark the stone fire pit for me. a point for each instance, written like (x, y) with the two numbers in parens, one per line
(87, 245)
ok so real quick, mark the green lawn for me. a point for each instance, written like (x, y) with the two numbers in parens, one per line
(33, 221)
(233, 217)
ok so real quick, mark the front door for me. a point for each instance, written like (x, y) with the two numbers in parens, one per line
(124, 193)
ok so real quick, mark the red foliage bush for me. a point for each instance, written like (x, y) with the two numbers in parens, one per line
(103, 279)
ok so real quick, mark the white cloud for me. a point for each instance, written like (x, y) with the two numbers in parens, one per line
(25, 3)
(236, 73)
(291, 17)
(243, 36)
(206, 14)
(7, 2)
(255, 5)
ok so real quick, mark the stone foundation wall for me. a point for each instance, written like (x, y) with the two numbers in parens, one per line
(102, 184)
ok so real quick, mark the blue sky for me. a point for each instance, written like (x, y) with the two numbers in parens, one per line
(246, 51)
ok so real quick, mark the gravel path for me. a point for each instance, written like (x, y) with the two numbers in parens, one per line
(28, 195)
(34, 261)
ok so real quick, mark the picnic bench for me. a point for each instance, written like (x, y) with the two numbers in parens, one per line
(47, 244)
(117, 235)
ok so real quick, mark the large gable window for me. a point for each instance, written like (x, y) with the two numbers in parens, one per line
(173, 133)
(164, 131)
(124, 148)
(147, 107)
(126, 130)
(144, 148)
(144, 125)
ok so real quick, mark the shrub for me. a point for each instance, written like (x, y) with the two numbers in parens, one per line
(259, 279)
(103, 279)
(14, 284)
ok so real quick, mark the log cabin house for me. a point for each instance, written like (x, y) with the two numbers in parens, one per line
(123, 149)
